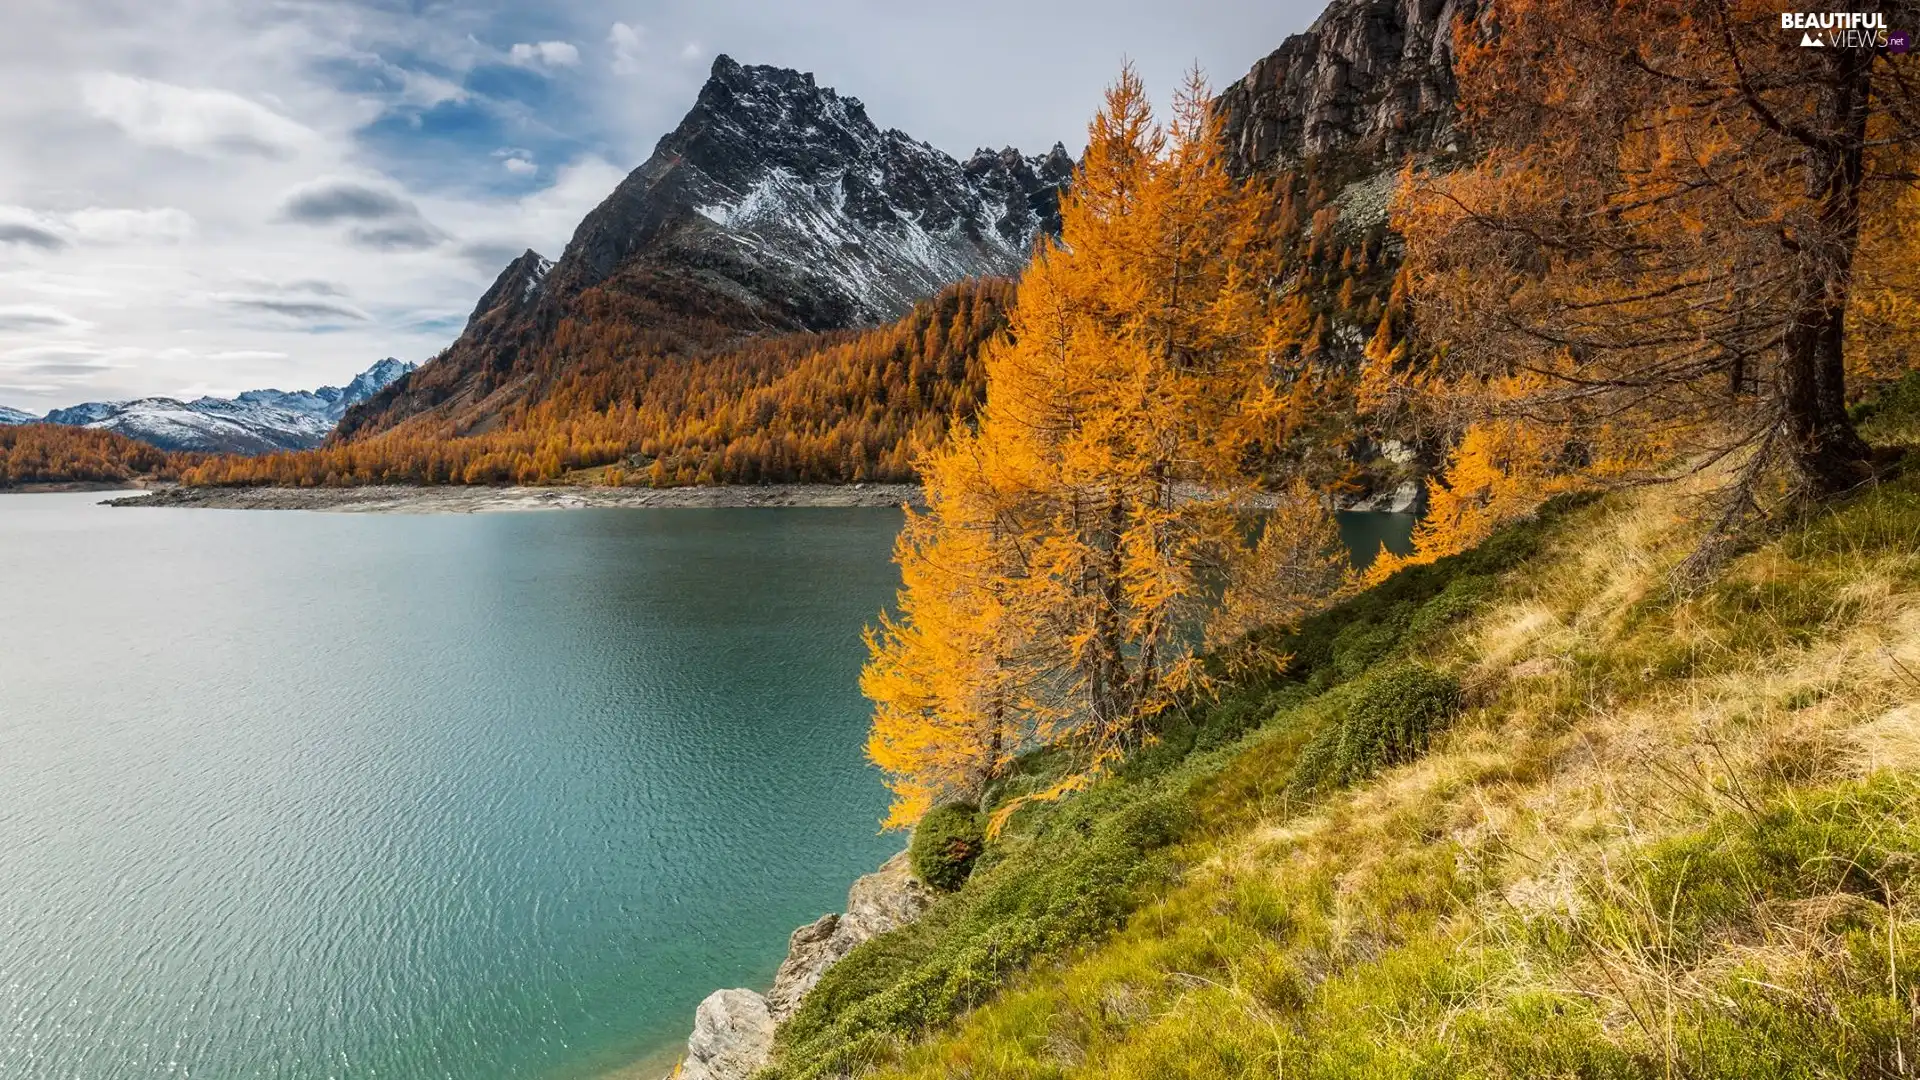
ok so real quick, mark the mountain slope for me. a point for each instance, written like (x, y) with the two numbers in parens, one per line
(840, 406)
(1523, 812)
(15, 416)
(255, 422)
(775, 205)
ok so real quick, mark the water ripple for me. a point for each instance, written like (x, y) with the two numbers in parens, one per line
(287, 796)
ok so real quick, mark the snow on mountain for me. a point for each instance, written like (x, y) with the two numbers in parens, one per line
(15, 416)
(255, 422)
(329, 402)
(791, 192)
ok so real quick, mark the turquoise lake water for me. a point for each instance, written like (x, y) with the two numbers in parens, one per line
(297, 796)
(294, 796)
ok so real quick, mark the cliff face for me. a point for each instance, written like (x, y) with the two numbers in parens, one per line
(1369, 77)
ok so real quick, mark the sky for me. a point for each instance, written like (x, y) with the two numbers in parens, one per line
(207, 196)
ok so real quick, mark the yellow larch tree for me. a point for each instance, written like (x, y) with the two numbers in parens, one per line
(945, 673)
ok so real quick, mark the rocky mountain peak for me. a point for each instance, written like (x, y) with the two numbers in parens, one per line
(776, 204)
(252, 422)
(1370, 77)
(515, 289)
(774, 180)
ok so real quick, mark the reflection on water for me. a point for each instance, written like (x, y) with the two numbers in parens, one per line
(1364, 531)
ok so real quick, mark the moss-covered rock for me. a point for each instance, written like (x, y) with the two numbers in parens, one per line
(945, 845)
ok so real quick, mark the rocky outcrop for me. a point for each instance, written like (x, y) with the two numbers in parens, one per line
(1402, 498)
(1369, 77)
(877, 903)
(513, 292)
(733, 1029)
(732, 1037)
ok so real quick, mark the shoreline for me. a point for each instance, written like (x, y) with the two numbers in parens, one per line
(62, 487)
(405, 499)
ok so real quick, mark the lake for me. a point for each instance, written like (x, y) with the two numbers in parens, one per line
(1365, 532)
(294, 795)
(290, 795)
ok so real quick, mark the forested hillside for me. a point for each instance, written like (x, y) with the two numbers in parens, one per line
(57, 454)
(1611, 776)
(828, 407)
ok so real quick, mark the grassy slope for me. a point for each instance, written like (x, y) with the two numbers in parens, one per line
(1524, 813)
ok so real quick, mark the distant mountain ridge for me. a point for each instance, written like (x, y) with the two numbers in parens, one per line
(775, 205)
(254, 422)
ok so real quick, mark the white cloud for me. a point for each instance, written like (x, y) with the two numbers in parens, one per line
(299, 309)
(426, 90)
(37, 317)
(21, 228)
(517, 161)
(545, 54)
(692, 51)
(165, 225)
(211, 123)
(626, 41)
(24, 227)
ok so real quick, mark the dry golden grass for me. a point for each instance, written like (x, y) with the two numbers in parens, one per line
(1593, 874)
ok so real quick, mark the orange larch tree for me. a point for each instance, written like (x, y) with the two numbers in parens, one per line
(1662, 234)
(1076, 537)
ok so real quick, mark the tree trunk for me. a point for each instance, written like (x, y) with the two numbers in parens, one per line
(1828, 454)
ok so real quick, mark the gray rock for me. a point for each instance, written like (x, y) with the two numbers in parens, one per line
(1373, 77)
(732, 1037)
(878, 902)
(1402, 499)
(733, 1029)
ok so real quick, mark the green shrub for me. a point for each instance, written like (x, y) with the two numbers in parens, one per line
(1409, 602)
(1901, 400)
(1384, 719)
(1462, 596)
(945, 845)
(1361, 645)
(1072, 878)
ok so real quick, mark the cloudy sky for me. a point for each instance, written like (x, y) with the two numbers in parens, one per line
(204, 196)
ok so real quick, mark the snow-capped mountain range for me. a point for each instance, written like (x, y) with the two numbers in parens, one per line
(255, 422)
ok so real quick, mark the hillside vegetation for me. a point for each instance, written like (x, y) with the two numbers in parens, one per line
(1524, 811)
(802, 407)
(56, 454)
